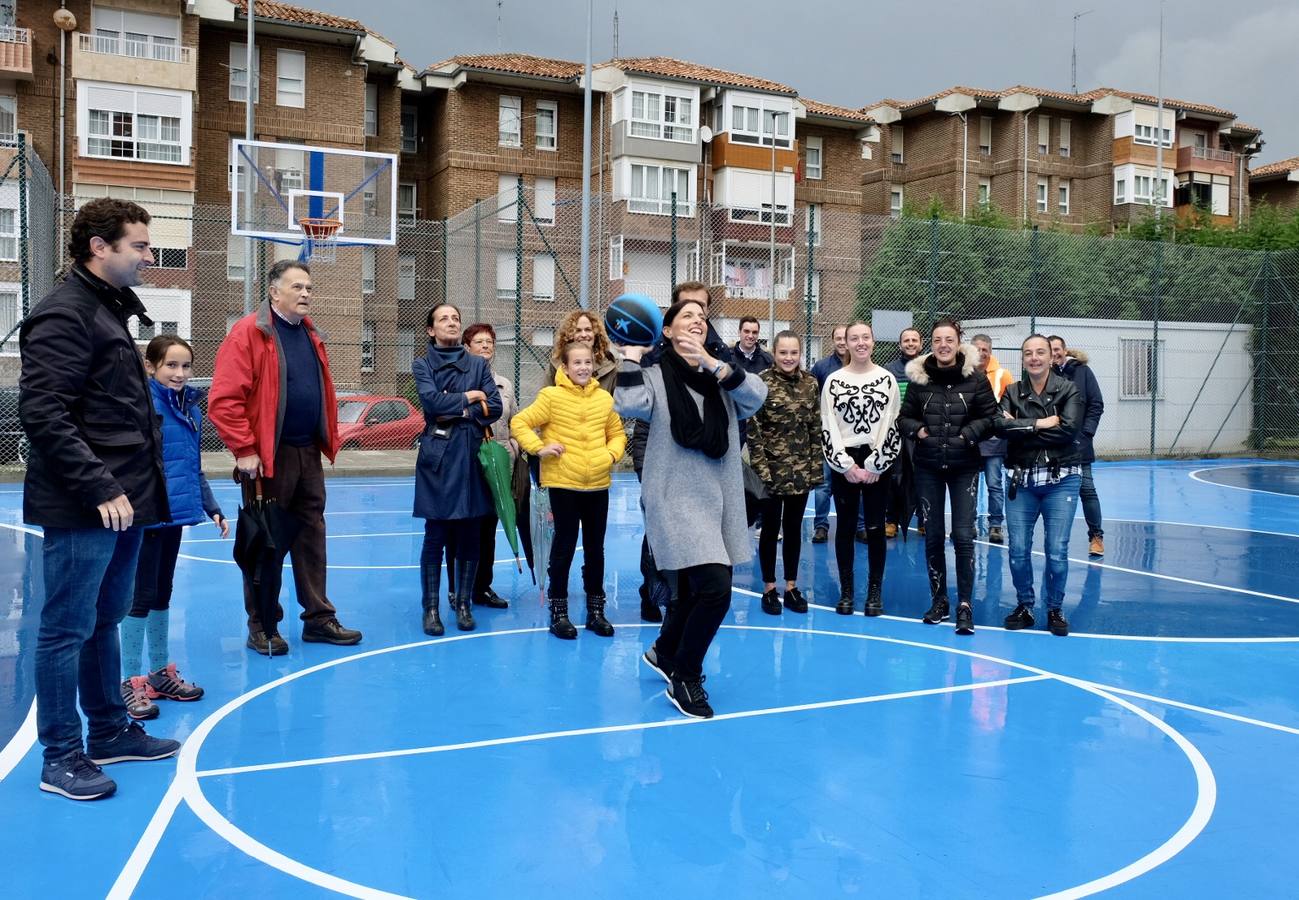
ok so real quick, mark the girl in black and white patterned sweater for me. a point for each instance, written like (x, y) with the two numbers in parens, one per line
(860, 439)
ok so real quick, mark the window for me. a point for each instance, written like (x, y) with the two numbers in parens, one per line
(1066, 137)
(985, 135)
(118, 122)
(506, 275)
(815, 293)
(1220, 202)
(137, 34)
(290, 78)
(1120, 190)
(1143, 189)
(406, 267)
(371, 110)
(8, 119)
(509, 122)
(404, 359)
(547, 125)
(290, 166)
(543, 277)
(235, 257)
(615, 258)
(507, 197)
(1145, 134)
(9, 318)
(898, 153)
(753, 125)
(1043, 134)
(985, 192)
(239, 74)
(1140, 369)
(670, 117)
(895, 203)
(145, 332)
(1200, 140)
(239, 169)
(652, 188)
(406, 202)
(409, 130)
(813, 171)
(9, 234)
(866, 150)
(1062, 197)
(367, 270)
(543, 201)
(171, 258)
(814, 224)
(1042, 188)
(367, 348)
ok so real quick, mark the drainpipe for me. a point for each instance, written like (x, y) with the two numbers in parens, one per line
(1025, 200)
(63, 128)
(965, 158)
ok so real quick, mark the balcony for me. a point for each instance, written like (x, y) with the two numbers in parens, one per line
(1207, 160)
(104, 58)
(15, 53)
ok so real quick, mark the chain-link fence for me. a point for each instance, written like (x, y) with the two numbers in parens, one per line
(1194, 347)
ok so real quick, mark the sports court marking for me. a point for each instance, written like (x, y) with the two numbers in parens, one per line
(185, 786)
(1195, 476)
(18, 745)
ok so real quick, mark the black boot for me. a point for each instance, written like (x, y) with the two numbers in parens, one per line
(595, 620)
(430, 599)
(844, 607)
(650, 612)
(465, 571)
(874, 599)
(560, 627)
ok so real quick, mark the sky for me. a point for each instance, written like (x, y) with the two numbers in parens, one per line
(856, 53)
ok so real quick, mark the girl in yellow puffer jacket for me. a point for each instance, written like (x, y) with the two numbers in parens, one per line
(581, 439)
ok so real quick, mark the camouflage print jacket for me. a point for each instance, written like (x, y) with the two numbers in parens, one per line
(785, 434)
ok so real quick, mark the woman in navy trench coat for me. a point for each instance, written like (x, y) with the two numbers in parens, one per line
(450, 491)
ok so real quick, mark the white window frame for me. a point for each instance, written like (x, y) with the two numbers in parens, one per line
(1120, 190)
(371, 109)
(813, 171)
(368, 269)
(509, 121)
(407, 214)
(542, 291)
(291, 85)
(547, 140)
(506, 276)
(543, 200)
(235, 265)
(1043, 135)
(409, 136)
(114, 35)
(507, 197)
(656, 114)
(985, 135)
(10, 310)
(1043, 195)
(1062, 196)
(896, 200)
(168, 131)
(744, 128)
(898, 145)
(1135, 364)
(9, 234)
(985, 192)
(239, 75)
(658, 201)
(8, 119)
(158, 260)
(816, 291)
(1145, 134)
(404, 356)
(367, 346)
(407, 275)
(1066, 137)
(615, 257)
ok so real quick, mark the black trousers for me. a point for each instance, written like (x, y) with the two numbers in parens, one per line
(156, 570)
(588, 510)
(874, 500)
(701, 599)
(933, 486)
(459, 538)
(486, 555)
(781, 513)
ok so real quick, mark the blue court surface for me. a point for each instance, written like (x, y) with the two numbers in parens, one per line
(1149, 754)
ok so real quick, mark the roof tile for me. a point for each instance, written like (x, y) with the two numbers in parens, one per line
(515, 64)
(817, 108)
(283, 12)
(1276, 168)
(1087, 97)
(668, 67)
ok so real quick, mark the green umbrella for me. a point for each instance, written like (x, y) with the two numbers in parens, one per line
(499, 472)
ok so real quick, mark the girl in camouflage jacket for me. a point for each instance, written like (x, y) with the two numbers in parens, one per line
(785, 451)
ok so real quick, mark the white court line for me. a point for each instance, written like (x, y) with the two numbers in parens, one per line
(186, 782)
(19, 744)
(1222, 714)
(1202, 525)
(1195, 476)
(520, 560)
(615, 729)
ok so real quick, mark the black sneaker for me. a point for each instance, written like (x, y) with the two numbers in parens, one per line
(938, 612)
(1056, 624)
(652, 660)
(491, 600)
(650, 612)
(77, 778)
(964, 619)
(689, 696)
(874, 601)
(329, 632)
(995, 536)
(1022, 617)
(257, 641)
(771, 602)
(132, 744)
(844, 607)
(820, 534)
(794, 601)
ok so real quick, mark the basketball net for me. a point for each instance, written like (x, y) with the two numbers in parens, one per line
(320, 241)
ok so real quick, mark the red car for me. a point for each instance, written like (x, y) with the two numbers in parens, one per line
(373, 422)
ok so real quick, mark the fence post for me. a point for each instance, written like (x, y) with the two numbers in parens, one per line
(478, 259)
(1261, 393)
(1154, 349)
(673, 282)
(933, 267)
(807, 297)
(23, 260)
(446, 262)
(518, 285)
(1035, 279)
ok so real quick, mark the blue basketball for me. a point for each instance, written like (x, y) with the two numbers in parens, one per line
(634, 320)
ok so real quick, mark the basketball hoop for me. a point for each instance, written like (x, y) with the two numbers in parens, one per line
(321, 238)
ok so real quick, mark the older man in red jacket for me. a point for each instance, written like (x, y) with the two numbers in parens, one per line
(272, 402)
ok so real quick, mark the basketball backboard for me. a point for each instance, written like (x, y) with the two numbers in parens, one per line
(275, 186)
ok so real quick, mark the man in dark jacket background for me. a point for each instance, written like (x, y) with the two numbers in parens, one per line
(94, 479)
(1072, 364)
(748, 353)
(901, 490)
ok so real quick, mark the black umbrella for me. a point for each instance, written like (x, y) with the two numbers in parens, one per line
(263, 536)
(902, 500)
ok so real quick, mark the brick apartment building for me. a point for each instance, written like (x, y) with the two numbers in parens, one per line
(1052, 158)
(1277, 184)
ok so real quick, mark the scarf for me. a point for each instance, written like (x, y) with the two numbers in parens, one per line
(709, 434)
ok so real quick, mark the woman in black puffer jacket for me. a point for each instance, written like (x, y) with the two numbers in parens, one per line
(948, 409)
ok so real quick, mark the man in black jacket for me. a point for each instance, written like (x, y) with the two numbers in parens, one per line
(94, 478)
(1072, 364)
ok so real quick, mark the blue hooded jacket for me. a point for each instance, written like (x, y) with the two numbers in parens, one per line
(188, 493)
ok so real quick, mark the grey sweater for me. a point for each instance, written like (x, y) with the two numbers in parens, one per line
(694, 506)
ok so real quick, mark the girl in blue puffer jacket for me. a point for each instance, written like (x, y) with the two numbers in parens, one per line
(170, 361)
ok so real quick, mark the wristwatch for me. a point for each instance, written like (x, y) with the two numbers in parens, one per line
(717, 368)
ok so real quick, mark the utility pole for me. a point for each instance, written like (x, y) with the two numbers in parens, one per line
(1159, 130)
(1074, 57)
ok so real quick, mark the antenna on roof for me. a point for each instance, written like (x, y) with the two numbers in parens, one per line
(1074, 57)
(615, 31)
(499, 47)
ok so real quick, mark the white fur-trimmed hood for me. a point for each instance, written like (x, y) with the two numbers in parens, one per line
(916, 368)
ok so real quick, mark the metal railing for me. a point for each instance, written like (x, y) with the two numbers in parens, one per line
(11, 35)
(135, 49)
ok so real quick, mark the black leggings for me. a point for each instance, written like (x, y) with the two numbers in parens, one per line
(701, 597)
(933, 486)
(874, 499)
(156, 570)
(781, 513)
(590, 511)
(486, 553)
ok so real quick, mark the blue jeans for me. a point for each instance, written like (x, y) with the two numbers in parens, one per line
(1091, 503)
(89, 583)
(994, 477)
(821, 503)
(1055, 503)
